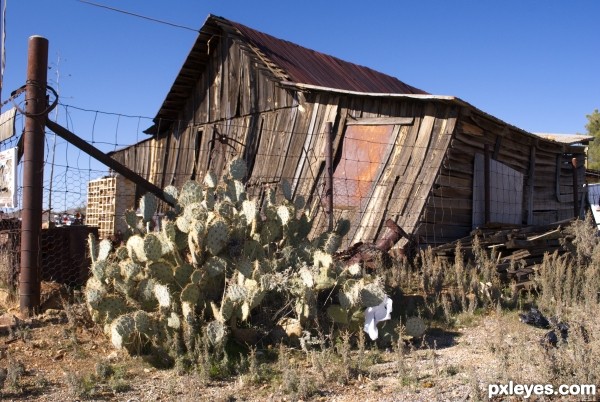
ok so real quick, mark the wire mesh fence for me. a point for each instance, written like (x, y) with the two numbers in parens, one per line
(373, 178)
(64, 257)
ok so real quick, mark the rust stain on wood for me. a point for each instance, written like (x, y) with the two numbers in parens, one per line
(362, 156)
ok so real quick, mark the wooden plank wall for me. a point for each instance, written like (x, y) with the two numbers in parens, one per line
(406, 173)
(425, 182)
(448, 214)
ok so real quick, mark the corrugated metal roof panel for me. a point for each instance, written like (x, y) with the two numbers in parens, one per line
(308, 66)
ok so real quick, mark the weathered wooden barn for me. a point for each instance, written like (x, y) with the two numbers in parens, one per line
(434, 164)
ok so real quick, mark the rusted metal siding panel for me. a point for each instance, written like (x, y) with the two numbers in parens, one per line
(373, 211)
(363, 150)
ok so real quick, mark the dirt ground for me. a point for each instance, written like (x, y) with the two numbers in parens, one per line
(57, 357)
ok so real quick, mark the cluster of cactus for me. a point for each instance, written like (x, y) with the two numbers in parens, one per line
(216, 257)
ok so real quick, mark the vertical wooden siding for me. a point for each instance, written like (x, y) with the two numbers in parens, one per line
(425, 181)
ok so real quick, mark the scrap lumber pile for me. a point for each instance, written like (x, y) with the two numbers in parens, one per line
(517, 249)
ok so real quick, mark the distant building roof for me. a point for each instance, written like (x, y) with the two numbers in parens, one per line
(568, 139)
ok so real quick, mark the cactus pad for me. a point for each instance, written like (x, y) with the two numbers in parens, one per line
(194, 211)
(93, 247)
(216, 332)
(131, 219)
(190, 294)
(174, 321)
(152, 247)
(169, 231)
(354, 269)
(104, 249)
(244, 266)
(122, 331)
(217, 237)
(307, 277)
(145, 294)
(99, 270)
(111, 307)
(285, 213)
(227, 309)
(371, 295)
(237, 169)
(171, 194)
(322, 259)
(183, 224)
(190, 193)
(253, 250)
(93, 296)
(148, 204)
(332, 243)
(143, 322)
(161, 272)
(130, 269)
(210, 180)
(182, 274)
(236, 293)
(338, 314)
(415, 327)
(162, 294)
(121, 253)
(215, 266)
(270, 232)
(196, 276)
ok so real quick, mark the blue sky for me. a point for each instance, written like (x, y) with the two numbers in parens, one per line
(533, 64)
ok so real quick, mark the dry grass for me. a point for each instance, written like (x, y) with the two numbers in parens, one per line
(460, 296)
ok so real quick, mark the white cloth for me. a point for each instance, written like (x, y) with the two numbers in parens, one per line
(374, 315)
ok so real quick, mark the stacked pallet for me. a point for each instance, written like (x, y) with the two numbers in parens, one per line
(108, 199)
(517, 250)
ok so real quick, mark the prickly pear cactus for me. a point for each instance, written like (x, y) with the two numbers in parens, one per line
(218, 257)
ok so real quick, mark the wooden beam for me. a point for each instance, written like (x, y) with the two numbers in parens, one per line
(107, 160)
(531, 184)
(380, 121)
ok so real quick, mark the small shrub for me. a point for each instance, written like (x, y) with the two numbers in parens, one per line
(80, 386)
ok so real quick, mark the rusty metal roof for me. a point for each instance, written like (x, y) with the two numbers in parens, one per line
(288, 62)
(307, 66)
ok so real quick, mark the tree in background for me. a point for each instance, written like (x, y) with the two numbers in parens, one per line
(593, 129)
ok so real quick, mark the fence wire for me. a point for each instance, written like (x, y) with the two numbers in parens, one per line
(82, 196)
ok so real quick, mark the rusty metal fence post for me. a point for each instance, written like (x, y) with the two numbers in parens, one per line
(33, 174)
(329, 173)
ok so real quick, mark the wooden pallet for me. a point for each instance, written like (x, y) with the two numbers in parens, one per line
(108, 199)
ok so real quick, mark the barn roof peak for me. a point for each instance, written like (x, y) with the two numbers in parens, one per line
(287, 61)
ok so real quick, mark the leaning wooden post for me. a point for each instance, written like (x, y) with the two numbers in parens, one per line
(487, 189)
(329, 173)
(33, 174)
(575, 189)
